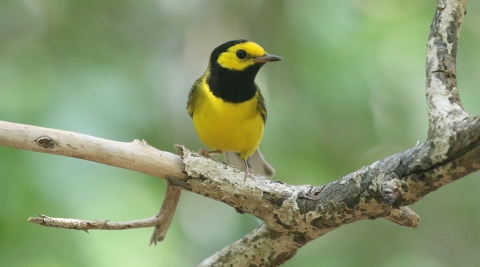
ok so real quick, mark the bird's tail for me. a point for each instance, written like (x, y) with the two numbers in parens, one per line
(256, 162)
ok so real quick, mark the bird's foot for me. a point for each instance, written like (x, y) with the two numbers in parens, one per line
(209, 154)
(248, 172)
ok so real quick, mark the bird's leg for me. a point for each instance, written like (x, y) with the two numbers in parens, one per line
(248, 171)
(208, 154)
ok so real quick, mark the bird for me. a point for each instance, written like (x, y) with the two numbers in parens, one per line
(227, 108)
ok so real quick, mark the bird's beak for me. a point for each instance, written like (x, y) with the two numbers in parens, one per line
(267, 58)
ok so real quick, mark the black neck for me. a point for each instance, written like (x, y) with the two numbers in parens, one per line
(233, 86)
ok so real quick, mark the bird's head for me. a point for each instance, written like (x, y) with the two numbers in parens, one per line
(239, 55)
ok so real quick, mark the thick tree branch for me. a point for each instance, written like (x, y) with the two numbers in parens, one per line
(442, 47)
(299, 214)
(443, 101)
(136, 156)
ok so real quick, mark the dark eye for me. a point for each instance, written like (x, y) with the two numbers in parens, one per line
(241, 54)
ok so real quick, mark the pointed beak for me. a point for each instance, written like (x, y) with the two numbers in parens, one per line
(267, 58)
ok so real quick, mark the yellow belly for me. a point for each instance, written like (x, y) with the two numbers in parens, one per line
(226, 126)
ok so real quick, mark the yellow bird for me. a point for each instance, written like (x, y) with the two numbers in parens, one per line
(227, 107)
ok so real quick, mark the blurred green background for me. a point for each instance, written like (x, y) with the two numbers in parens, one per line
(350, 91)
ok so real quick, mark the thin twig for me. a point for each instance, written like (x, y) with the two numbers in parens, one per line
(165, 215)
(86, 225)
(161, 221)
(404, 216)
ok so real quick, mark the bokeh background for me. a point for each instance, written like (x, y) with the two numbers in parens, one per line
(350, 91)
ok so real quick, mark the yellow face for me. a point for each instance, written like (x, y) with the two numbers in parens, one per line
(240, 56)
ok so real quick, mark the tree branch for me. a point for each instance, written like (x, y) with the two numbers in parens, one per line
(443, 101)
(86, 225)
(136, 156)
(161, 221)
(165, 215)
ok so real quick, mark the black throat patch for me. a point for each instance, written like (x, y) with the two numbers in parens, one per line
(233, 86)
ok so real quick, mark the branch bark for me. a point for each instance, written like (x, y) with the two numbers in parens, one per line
(295, 215)
(136, 156)
(160, 222)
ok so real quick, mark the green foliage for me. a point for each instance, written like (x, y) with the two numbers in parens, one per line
(350, 90)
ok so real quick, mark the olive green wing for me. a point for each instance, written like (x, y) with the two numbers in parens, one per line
(194, 91)
(261, 106)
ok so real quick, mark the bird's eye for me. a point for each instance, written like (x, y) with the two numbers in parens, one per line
(241, 54)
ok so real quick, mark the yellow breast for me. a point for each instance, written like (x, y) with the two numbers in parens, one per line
(227, 126)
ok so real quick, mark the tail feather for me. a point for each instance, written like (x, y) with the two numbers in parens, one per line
(256, 162)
